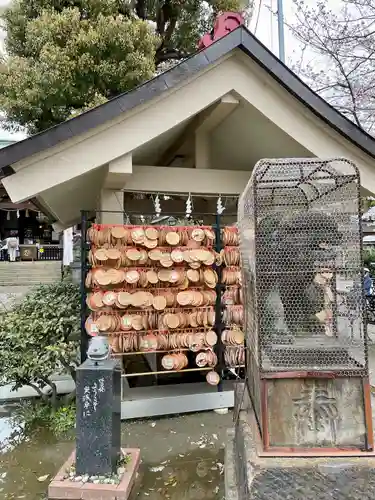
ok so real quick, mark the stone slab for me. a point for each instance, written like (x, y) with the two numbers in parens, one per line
(249, 475)
(62, 489)
(316, 413)
(230, 478)
(98, 419)
(297, 479)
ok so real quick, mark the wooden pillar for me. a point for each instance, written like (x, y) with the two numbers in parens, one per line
(111, 207)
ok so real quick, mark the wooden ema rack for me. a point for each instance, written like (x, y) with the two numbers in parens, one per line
(173, 292)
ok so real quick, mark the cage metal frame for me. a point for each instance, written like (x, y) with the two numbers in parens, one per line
(258, 393)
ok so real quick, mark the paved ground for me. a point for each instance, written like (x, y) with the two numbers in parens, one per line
(182, 458)
(11, 295)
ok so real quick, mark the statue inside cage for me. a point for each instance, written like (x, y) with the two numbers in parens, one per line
(299, 265)
(301, 253)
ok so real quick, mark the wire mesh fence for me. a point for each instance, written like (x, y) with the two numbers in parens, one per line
(301, 247)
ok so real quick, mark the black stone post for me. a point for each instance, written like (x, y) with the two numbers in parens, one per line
(98, 431)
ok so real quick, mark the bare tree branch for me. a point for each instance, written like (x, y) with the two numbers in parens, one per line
(68, 367)
(38, 390)
(341, 46)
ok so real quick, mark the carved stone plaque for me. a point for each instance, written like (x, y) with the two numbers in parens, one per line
(315, 413)
(98, 429)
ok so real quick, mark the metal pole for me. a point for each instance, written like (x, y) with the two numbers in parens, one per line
(219, 327)
(84, 336)
(280, 26)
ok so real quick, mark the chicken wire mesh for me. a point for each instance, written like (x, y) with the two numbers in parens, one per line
(301, 249)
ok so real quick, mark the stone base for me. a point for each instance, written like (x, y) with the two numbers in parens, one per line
(249, 475)
(230, 476)
(60, 488)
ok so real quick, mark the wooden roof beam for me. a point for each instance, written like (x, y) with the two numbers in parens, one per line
(221, 111)
(203, 123)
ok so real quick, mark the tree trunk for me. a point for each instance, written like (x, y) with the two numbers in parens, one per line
(53, 399)
(68, 367)
(69, 398)
(39, 391)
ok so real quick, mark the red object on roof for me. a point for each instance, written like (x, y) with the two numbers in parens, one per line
(224, 24)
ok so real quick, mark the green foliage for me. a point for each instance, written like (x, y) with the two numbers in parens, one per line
(66, 56)
(39, 338)
(63, 420)
(33, 416)
(63, 63)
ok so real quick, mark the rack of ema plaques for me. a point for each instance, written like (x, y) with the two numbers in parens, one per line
(168, 299)
(307, 357)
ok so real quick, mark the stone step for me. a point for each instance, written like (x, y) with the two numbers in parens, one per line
(43, 273)
(29, 273)
(25, 282)
(31, 284)
(30, 265)
(28, 279)
(30, 276)
(50, 273)
(22, 268)
(33, 279)
(31, 270)
(26, 272)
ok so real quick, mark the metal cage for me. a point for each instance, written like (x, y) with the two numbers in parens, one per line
(301, 250)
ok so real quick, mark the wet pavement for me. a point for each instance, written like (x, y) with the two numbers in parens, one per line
(182, 458)
(10, 295)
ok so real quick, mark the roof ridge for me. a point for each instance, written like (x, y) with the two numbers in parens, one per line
(240, 38)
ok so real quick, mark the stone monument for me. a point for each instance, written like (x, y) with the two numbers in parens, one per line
(98, 441)
(98, 462)
(303, 420)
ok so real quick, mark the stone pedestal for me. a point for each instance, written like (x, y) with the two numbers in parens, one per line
(252, 475)
(98, 434)
(76, 272)
(98, 468)
(61, 488)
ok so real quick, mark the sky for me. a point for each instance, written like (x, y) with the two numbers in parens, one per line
(264, 25)
(265, 28)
